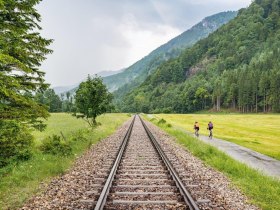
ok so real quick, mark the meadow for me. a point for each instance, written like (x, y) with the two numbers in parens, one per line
(19, 181)
(259, 132)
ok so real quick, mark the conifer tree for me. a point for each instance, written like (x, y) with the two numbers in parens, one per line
(22, 49)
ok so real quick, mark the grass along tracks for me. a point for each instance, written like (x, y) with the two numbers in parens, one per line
(20, 181)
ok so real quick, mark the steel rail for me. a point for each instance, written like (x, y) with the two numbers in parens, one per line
(184, 192)
(105, 191)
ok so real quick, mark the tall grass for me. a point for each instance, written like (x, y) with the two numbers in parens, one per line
(20, 181)
(262, 191)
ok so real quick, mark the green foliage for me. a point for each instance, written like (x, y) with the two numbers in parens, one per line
(56, 146)
(162, 121)
(79, 135)
(22, 51)
(15, 142)
(92, 99)
(237, 67)
(49, 99)
(153, 119)
(68, 103)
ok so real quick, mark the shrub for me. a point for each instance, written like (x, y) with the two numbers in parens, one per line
(167, 110)
(169, 125)
(162, 121)
(56, 146)
(15, 142)
(80, 135)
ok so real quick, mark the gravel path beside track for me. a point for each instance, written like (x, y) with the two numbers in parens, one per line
(80, 186)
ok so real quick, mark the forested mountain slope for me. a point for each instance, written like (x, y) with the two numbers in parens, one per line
(137, 73)
(236, 67)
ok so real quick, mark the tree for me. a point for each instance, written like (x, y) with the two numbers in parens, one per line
(201, 95)
(22, 51)
(217, 94)
(67, 104)
(50, 99)
(15, 142)
(92, 99)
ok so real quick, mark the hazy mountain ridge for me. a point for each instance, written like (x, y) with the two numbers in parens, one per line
(63, 89)
(199, 31)
(141, 69)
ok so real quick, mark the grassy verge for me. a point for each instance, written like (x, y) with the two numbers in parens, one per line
(20, 181)
(259, 132)
(262, 191)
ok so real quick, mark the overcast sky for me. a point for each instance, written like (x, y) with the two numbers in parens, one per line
(96, 35)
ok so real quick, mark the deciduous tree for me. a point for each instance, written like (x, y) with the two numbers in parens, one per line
(92, 99)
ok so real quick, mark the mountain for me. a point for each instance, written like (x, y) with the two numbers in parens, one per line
(72, 88)
(138, 72)
(63, 89)
(236, 67)
(109, 73)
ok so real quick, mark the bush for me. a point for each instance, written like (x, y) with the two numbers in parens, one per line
(167, 110)
(15, 142)
(162, 121)
(169, 125)
(80, 135)
(56, 146)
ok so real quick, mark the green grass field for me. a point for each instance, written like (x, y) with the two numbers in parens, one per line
(261, 190)
(59, 122)
(259, 132)
(20, 181)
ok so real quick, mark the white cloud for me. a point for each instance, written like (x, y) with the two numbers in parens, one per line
(143, 41)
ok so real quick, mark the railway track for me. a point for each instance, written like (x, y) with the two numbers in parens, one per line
(140, 180)
(142, 177)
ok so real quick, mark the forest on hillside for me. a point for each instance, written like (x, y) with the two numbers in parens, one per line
(237, 67)
(136, 74)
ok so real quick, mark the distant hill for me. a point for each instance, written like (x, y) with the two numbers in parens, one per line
(109, 73)
(134, 75)
(236, 67)
(63, 89)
